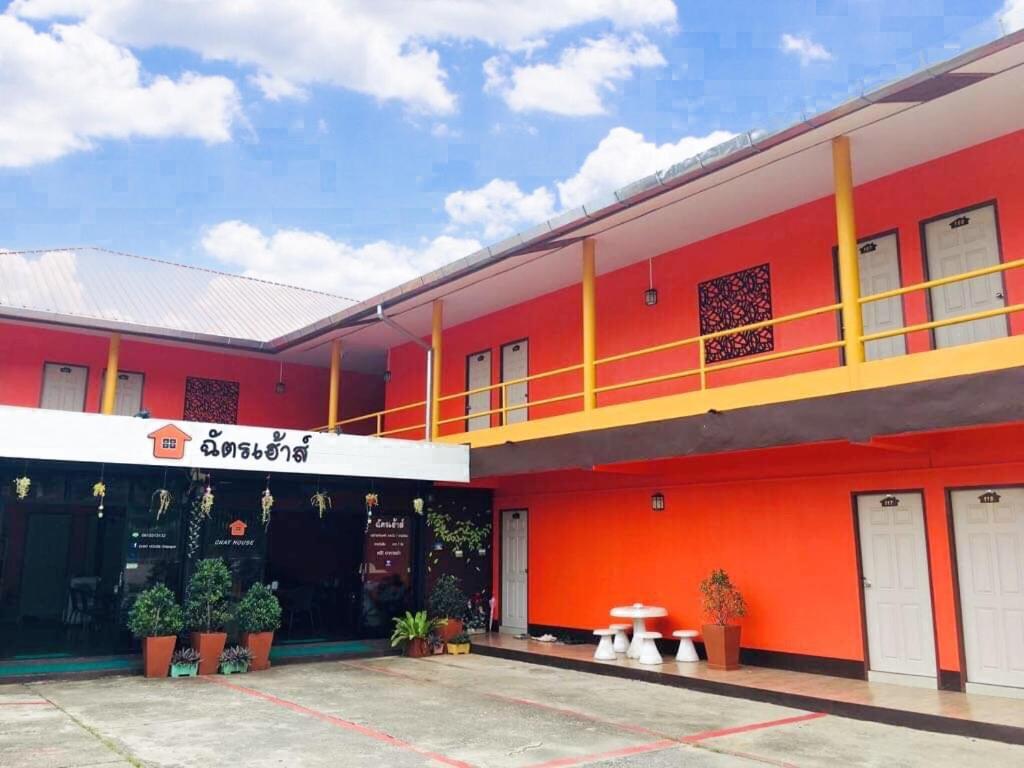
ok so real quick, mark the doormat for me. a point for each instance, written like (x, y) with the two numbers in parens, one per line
(342, 648)
(36, 668)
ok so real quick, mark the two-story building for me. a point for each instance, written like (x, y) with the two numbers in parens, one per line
(796, 356)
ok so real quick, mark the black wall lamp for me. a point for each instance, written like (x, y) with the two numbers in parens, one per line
(279, 387)
(658, 501)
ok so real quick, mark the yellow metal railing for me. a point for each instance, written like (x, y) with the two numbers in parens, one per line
(703, 369)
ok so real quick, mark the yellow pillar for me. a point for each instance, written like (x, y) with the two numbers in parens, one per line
(436, 327)
(589, 327)
(110, 378)
(332, 403)
(849, 267)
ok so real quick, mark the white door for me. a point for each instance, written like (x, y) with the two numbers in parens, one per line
(880, 272)
(958, 244)
(64, 387)
(513, 571)
(897, 597)
(128, 399)
(478, 375)
(990, 567)
(514, 365)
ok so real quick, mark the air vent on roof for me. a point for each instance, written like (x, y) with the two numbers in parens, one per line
(934, 87)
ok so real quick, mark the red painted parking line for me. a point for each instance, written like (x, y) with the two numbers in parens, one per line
(638, 749)
(340, 723)
(705, 735)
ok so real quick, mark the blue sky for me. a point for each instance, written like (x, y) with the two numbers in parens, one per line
(350, 145)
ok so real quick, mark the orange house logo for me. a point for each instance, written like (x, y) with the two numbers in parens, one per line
(169, 442)
(237, 528)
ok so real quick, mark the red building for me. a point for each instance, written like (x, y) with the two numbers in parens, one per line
(807, 345)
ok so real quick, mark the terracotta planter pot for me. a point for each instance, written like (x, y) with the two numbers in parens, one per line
(450, 630)
(210, 645)
(416, 648)
(156, 655)
(259, 643)
(722, 645)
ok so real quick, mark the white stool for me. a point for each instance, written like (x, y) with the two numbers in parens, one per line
(648, 648)
(621, 641)
(605, 650)
(686, 650)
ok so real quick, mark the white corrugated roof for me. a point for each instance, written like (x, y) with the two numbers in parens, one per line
(106, 289)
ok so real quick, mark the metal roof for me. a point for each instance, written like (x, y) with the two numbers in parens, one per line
(104, 289)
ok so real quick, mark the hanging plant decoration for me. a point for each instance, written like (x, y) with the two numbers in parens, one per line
(99, 491)
(321, 502)
(206, 503)
(417, 506)
(161, 502)
(371, 503)
(22, 485)
(266, 506)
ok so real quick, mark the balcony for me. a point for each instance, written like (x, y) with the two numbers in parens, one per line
(687, 384)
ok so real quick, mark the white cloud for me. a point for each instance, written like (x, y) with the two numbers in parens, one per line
(624, 156)
(376, 47)
(495, 210)
(62, 91)
(1011, 16)
(805, 49)
(319, 262)
(577, 83)
(498, 208)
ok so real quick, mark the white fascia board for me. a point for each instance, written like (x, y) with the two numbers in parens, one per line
(38, 433)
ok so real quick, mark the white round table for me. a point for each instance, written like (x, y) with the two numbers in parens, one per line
(638, 612)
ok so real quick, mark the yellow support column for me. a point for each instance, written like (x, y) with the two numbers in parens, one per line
(589, 327)
(849, 267)
(335, 393)
(436, 327)
(110, 378)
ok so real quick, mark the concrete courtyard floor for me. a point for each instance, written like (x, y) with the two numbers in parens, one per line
(441, 711)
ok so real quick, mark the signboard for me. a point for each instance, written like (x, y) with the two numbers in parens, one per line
(38, 433)
(388, 547)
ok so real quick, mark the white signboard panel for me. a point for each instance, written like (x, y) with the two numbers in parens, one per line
(37, 433)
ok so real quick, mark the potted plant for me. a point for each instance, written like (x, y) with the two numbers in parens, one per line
(722, 603)
(184, 663)
(207, 612)
(458, 644)
(156, 618)
(448, 601)
(435, 644)
(412, 631)
(258, 615)
(234, 660)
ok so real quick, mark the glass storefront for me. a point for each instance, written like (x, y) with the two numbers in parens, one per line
(69, 570)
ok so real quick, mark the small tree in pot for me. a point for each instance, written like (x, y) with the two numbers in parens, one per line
(258, 615)
(156, 618)
(722, 603)
(448, 601)
(207, 612)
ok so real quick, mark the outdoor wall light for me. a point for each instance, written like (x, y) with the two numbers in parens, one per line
(651, 294)
(658, 501)
(387, 377)
(279, 387)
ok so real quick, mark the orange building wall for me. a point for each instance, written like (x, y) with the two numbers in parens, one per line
(797, 244)
(25, 348)
(788, 541)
